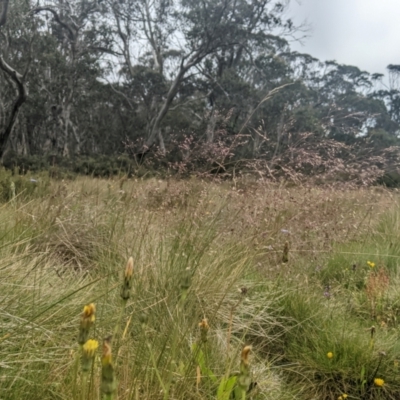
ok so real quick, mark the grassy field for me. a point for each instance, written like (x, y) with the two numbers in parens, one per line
(308, 277)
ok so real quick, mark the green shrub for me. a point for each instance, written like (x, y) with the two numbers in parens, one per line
(14, 186)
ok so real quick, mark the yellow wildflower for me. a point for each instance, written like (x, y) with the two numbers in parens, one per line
(87, 320)
(379, 382)
(107, 357)
(343, 396)
(90, 347)
(244, 378)
(245, 355)
(329, 355)
(108, 381)
(88, 312)
(88, 352)
(371, 264)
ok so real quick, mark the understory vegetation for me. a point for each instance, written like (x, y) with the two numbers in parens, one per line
(235, 290)
(95, 87)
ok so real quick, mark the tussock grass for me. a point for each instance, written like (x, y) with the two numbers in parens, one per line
(200, 250)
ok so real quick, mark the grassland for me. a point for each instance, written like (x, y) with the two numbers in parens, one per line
(322, 325)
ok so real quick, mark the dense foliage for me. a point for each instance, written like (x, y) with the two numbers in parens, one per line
(190, 85)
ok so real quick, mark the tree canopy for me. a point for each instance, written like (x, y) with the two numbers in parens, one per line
(196, 83)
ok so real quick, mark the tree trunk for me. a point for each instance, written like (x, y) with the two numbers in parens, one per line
(3, 12)
(161, 142)
(21, 98)
(212, 122)
(165, 107)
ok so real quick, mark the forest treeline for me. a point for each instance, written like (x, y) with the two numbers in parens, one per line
(189, 85)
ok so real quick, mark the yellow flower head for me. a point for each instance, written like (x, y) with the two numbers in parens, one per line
(329, 355)
(379, 382)
(245, 355)
(244, 378)
(107, 358)
(87, 319)
(108, 381)
(127, 282)
(203, 325)
(88, 312)
(88, 352)
(90, 347)
(371, 264)
(129, 268)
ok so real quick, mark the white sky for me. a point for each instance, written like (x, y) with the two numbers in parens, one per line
(364, 33)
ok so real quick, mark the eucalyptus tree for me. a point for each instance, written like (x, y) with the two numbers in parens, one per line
(390, 95)
(184, 46)
(12, 50)
(241, 75)
(143, 29)
(71, 37)
(352, 110)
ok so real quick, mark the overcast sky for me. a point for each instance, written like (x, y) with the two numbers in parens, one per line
(364, 33)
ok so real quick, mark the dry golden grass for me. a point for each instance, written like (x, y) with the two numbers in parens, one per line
(69, 247)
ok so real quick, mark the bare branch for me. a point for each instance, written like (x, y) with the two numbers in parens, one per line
(57, 19)
(121, 94)
(105, 50)
(185, 103)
